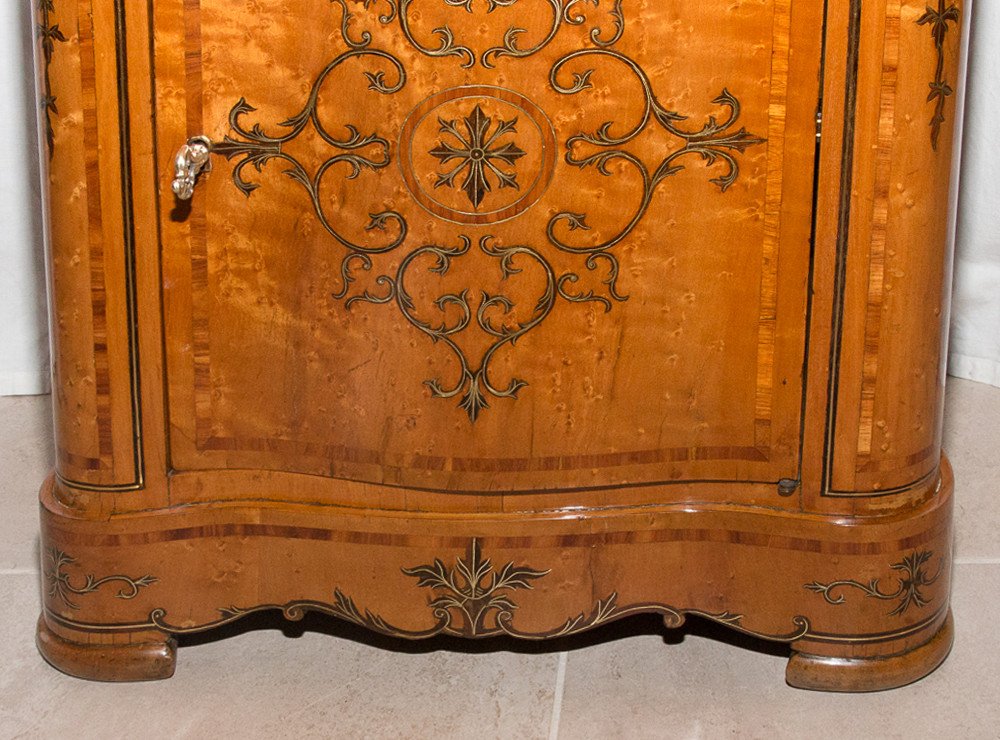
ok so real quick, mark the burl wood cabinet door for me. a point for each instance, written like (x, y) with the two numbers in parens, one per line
(489, 245)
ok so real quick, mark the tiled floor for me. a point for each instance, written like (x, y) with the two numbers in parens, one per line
(317, 679)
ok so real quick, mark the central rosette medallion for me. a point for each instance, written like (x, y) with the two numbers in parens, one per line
(478, 164)
(477, 154)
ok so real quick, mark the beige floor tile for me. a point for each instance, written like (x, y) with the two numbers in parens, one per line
(25, 459)
(972, 440)
(640, 687)
(265, 684)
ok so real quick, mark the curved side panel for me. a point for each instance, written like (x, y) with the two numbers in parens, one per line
(891, 328)
(90, 251)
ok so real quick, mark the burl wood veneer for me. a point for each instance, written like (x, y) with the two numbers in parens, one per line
(500, 317)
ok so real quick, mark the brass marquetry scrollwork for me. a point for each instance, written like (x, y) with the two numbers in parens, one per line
(484, 155)
(475, 599)
(498, 619)
(715, 142)
(563, 13)
(909, 593)
(61, 588)
(475, 385)
(493, 315)
(255, 148)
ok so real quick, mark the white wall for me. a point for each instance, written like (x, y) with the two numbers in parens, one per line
(975, 336)
(23, 338)
(975, 348)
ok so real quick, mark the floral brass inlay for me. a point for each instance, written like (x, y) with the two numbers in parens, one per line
(476, 152)
(909, 593)
(477, 159)
(938, 19)
(60, 587)
(474, 599)
(49, 33)
(473, 591)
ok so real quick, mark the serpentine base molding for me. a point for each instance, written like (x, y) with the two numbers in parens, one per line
(842, 597)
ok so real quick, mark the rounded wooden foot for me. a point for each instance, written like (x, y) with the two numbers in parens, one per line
(110, 656)
(828, 673)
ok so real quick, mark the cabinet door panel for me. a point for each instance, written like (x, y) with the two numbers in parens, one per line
(439, 251)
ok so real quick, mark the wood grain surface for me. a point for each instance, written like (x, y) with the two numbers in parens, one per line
(667, 385)
(604, 290)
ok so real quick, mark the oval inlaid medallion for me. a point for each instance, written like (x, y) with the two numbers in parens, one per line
(477, 154)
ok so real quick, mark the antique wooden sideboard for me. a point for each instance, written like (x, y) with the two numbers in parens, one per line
(500, 317)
